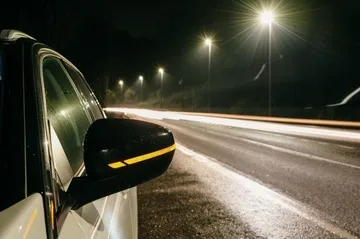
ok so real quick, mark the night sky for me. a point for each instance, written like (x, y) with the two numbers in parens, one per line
(315, 49)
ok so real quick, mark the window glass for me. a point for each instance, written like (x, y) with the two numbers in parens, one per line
(90, 102)
(65, 111)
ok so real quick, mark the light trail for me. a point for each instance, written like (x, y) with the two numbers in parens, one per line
(303, 127)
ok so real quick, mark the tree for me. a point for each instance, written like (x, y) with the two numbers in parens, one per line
(130, 96)
(110, 97)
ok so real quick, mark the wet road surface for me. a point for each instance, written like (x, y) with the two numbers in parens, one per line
(179, 205)
(228, 182)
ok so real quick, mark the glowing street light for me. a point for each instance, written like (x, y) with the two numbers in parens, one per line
(121, 83)
(141, 78)
(208, 42)
(267, 18)
(161, 71)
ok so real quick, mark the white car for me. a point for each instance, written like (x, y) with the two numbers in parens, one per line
(66, 170)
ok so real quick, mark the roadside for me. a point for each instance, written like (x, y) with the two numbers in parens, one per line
(199, 198)
(176, 206)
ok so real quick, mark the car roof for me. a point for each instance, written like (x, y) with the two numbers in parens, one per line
(13, 35)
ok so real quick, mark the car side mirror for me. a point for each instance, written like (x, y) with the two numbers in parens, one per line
(120, 154)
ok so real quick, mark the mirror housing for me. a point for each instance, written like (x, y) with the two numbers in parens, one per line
(120, 154)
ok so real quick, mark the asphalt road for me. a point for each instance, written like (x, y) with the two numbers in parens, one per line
(229, 182)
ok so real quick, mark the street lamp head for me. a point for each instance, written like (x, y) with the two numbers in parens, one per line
(141, 78)
(208, 41)
(266, 17)
(161, 70)
(121, 82)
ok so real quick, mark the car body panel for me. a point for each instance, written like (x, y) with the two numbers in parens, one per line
(25, 219)
(110, 217)
(71, 228)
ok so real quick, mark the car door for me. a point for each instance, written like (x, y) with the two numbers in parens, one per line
(68, 122)
(120, 212)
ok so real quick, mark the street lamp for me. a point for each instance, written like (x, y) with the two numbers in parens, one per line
(121, 83)
(141, 78)
(267, 18)
(208, 42)
(161, 71)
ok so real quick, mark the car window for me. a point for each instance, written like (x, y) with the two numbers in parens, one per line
(89, 99)
(65, 111)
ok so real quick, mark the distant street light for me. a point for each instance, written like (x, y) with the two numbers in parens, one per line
(161, 71)
(121, 83)
(141, 78)
(208, 42)
(267, 18)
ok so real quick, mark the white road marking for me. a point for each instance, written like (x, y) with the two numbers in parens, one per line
(266, 193)
(345, 146)
(289, 151)
(309, 140)
(293, 138)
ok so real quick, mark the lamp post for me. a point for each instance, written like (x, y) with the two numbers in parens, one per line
(121, 83)
(208, 42)
(141, 78)
(267, 18)
(161, 71)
